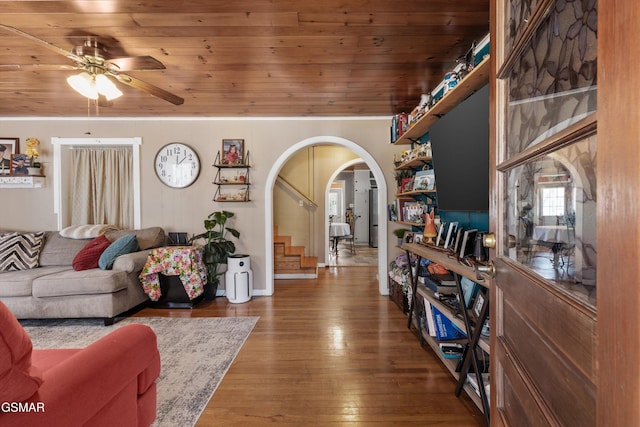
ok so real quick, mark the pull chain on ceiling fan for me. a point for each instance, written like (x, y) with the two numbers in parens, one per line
(97, 66)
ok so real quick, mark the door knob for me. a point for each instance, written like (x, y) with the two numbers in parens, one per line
(485, 270)
(489, 240)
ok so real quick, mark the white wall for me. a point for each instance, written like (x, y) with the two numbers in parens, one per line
(185, 209)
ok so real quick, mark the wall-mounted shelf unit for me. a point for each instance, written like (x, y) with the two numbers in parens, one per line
(473, 81)
(234, 178)
(16, 181)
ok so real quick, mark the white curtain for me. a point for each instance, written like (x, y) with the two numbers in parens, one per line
(102, 190)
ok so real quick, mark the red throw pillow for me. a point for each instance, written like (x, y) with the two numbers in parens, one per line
(18, 379)
(89, 255)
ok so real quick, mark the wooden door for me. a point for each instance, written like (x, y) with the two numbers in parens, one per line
(544, 209)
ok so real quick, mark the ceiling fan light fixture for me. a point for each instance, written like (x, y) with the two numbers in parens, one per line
(84, 84)
(107, 88)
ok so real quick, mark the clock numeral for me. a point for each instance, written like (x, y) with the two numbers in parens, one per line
(163, 158)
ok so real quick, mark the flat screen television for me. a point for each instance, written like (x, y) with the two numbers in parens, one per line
(460, 147)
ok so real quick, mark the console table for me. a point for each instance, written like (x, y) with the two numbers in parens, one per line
(449, 260)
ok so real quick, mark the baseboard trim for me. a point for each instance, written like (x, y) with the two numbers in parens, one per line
(295, 276)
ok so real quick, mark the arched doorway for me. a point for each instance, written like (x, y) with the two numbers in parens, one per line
(382, 198)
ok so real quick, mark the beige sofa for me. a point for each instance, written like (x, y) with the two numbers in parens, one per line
(55, 290)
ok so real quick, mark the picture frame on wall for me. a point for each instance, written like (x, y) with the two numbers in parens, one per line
(233, 151)
(8, 147)
(20, 164)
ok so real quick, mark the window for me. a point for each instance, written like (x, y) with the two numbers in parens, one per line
(553, 201)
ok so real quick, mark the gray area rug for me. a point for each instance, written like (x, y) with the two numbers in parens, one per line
(195, 354)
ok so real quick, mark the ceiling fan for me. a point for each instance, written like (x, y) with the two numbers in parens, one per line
(96, 66)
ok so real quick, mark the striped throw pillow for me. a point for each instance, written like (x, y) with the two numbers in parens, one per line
(20, 251)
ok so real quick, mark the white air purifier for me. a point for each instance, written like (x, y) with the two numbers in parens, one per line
(238, 279)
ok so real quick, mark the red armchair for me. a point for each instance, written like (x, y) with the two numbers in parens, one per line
(110, 382)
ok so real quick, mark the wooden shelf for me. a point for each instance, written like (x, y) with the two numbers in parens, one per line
(450, 364)
(430, 193)
(26, 181)
(414, 163)
(232, 183)
(233, 166)
(477, 78)
(433, 300)
(445, 258)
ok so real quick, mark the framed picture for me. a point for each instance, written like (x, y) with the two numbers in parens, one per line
(408, 237)
(440, 237)
(8, 147)
(417, 238)
(458, 240)
(424, 180)
(468, 241)
(19, 164)
(233, 151)
(451, 234)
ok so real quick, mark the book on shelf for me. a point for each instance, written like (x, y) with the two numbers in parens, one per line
(437, 286)
(451, 350)
(446, 330)
(472, 380)
(469, 289)
(431, 326)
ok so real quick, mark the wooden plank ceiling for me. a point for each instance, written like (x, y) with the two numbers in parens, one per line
(271, 58)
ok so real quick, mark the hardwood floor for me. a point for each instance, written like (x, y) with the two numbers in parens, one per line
(330, 351)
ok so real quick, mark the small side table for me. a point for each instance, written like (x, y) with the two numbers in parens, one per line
(185, 272)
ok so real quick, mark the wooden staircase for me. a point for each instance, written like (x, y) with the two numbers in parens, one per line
(290, 262)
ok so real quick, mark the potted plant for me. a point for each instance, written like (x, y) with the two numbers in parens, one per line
(399, 233)
(217, 248)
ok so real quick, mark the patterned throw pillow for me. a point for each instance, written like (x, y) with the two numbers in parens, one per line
(20, 251)
(122, 246)
(89, 255)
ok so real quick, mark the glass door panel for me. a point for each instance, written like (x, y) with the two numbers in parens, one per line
(551, 210)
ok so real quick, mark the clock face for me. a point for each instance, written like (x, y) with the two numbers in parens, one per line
(177, 165)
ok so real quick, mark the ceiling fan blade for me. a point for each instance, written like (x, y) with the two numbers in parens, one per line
(37, 67)
(43, 43)
(149, 88)
(133, 63)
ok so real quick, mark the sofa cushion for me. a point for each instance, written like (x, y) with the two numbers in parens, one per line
(122, 246)
(59, 250)
(19, 380)
(87, 231)
(19, 283)
(85, 282)
(89, 255)
(148, 238)
(20, 251)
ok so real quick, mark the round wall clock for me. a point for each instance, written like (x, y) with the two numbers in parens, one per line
(177, 165)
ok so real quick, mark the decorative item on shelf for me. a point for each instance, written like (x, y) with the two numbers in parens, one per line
(35, 167)
(217, 247)
(400, 176)
(233, 151)
(430, 227)
(468, 61)
(451, 79)
(19, 164)
(399, 233)
(8, 147)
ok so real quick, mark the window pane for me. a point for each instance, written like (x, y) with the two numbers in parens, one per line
(551, 211)
(553, 84)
